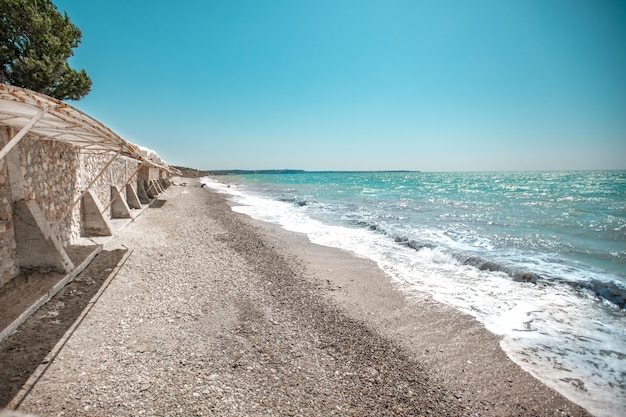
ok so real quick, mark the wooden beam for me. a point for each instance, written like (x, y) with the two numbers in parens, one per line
(16, 139)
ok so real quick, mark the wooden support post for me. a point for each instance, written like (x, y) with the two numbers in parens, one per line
(15, 140)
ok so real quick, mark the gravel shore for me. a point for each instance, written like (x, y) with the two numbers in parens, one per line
(215, 314)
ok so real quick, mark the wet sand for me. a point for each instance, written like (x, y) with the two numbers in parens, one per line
(216, 314)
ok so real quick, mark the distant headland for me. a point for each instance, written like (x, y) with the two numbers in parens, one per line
(193, 173)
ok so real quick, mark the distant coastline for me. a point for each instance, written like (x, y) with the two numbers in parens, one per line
(194, 173)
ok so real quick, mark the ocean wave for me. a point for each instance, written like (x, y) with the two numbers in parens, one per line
(612, 292)
(298, 201)
(538, 275)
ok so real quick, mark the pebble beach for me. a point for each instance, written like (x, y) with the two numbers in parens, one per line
(215, 314)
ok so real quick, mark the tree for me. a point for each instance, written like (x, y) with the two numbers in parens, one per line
(36, 41)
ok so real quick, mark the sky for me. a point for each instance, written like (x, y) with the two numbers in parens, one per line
(441, 85)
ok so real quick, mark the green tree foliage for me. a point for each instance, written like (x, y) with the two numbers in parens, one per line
(36, 41)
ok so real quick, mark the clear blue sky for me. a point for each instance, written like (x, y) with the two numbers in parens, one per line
(360, 84)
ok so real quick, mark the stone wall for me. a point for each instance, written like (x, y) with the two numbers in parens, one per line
(8, 255)
(54, 174)
(148, 173)
(49, 171)
(118, 173)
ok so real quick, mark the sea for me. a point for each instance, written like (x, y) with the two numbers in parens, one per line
(538, 258)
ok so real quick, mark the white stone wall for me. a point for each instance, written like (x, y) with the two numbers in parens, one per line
(49, 171)
(54, 175)
(8, 255)
(118, 173)
(149, 173)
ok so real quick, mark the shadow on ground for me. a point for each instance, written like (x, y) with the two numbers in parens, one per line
(158, 203)
(24, 351)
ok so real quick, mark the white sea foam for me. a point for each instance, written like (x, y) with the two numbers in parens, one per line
(553, 331)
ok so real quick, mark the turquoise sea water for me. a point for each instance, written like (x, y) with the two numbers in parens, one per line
(539, 258)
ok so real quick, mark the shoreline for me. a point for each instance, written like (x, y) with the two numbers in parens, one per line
(460, 352)
(560, 334)
(217, 314)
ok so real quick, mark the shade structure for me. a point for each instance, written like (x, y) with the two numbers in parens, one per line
(51, 119)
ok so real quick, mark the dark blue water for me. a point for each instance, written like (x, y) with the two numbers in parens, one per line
(539, 258)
